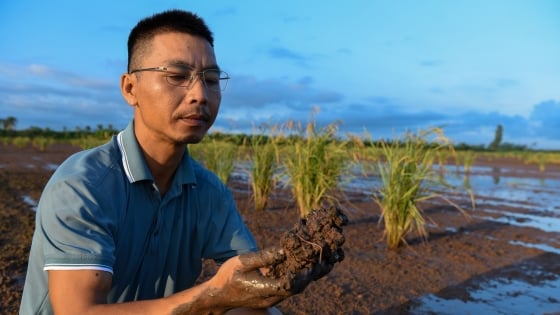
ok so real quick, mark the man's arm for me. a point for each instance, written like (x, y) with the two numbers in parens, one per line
(85, 292)
(237, 284)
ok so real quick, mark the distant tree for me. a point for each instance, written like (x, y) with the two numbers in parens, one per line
(9, 123)
(495, 144)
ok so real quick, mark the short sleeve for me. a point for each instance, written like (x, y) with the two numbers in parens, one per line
(76, 230)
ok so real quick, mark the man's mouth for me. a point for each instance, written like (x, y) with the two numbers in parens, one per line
(195, 119)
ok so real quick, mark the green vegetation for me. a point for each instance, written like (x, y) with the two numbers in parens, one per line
(218, 156)
(314, 161)
(21, 142)
(9, 123)
(408, 178)
(41, 143)
(466, 158)
(42, 138)
(264, 164)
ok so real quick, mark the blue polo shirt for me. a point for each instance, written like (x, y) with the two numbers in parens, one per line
(101, 210)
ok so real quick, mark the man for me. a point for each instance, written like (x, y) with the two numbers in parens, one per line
(122, 228)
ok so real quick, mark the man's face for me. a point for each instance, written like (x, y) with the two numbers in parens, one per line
(174, 114)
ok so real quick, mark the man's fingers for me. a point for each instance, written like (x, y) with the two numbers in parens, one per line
(261, 288)
(306, 276)
(263, 258)
(321, 270)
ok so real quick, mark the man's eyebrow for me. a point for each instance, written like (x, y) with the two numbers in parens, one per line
(188, 66)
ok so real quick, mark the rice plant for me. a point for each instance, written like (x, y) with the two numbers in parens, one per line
(217, 156)
(313, 164)
(364, 153)
(21, 142)
(5, 140)
(408, 178)
(41, 143)
(542, 161)
(87, 142)
(468, 159)
(263, 161)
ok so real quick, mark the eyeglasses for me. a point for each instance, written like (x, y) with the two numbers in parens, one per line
(214, 79)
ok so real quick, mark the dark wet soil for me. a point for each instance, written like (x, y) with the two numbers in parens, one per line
(459, 254)
(315, 239)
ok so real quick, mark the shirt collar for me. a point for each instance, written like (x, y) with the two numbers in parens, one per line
(135, 165)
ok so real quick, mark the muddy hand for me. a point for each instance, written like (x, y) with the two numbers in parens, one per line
(308, 275)
(284, 287)
(239, 282)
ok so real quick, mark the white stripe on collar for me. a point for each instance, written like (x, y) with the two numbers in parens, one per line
(126, 166)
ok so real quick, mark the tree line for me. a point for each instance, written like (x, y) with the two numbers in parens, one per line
(8, 129)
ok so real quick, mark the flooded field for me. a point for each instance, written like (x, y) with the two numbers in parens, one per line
(512, 196)
(505, 259)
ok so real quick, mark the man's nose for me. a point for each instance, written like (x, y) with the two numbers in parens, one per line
(197, 86)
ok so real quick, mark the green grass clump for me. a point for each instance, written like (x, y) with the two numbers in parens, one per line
(217, 156)
(264, 165)
(468, 160)
(313, 163)
(5, 140)
(408, 178)
(21, 142)
(88, 142)
(540, 159)
(41, 143)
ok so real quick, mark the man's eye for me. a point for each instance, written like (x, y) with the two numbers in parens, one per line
(177, 78)
(212, 81)
(212, 78)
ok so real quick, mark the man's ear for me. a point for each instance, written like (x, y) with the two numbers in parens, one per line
(128, 88)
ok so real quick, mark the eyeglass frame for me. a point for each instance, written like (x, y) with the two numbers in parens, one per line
(198, 74)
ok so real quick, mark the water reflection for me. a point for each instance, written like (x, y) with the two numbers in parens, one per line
(30, 201)
(494, 187)
(498, 189)
(496, 174)
(499, 296)
(467, 182)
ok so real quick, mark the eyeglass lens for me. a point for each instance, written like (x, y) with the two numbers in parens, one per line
(213, 79)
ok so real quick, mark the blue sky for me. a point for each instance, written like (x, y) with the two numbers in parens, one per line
(383, 67)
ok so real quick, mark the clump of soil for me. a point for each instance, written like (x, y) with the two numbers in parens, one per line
(316, 238)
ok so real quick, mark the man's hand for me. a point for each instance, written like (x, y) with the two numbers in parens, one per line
(306, 276)
(240, 283)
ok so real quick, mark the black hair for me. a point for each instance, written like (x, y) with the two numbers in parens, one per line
(167, 21)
